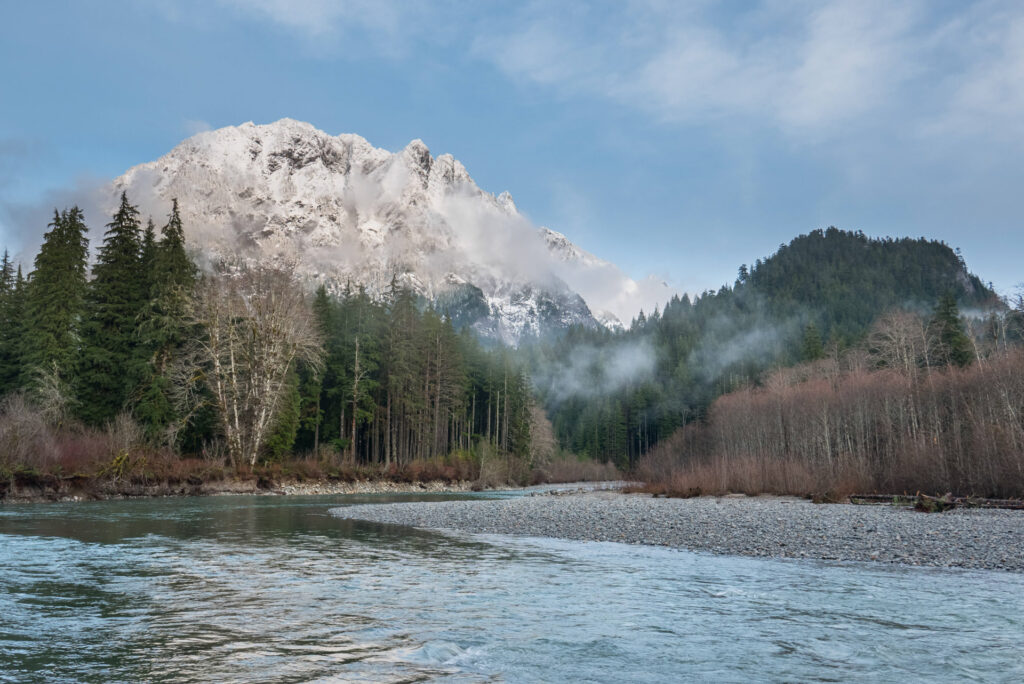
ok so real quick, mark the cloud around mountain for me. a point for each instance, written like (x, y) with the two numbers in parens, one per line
(339, 210)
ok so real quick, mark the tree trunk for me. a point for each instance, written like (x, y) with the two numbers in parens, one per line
(355, 400)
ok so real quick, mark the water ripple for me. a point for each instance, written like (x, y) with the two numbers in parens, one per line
(261, 589)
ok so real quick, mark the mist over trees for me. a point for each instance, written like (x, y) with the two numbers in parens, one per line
(817, 296)
(903, 413)
(249, 366)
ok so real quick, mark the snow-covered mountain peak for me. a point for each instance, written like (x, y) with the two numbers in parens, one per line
(505, 202)
(340, 210)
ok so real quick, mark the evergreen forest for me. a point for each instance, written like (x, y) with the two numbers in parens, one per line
(130, 362)
(819, 295)
(248, 368)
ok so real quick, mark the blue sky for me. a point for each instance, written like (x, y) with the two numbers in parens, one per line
(679, 139)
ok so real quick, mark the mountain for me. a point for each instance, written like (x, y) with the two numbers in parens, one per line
(340, 211)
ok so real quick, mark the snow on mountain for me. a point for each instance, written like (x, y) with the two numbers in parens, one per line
(336, 209)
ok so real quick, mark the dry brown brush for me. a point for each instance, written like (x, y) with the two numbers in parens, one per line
(837, 428)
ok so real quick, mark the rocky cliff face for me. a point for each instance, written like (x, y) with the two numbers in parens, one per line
(338, 210)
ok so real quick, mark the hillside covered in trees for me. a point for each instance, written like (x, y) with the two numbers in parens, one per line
(145, 358)
(141, 360)
(817, 295)
(925, 403)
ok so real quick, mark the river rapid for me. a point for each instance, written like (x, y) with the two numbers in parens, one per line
(274, 589)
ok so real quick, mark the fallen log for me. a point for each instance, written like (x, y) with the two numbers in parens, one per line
(933, 504)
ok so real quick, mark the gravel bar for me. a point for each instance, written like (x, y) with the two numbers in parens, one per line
(773, 527)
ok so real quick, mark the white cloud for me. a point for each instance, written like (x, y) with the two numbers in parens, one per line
(194, 126)
(812, 69)
(852, 59)
(809, 68)
(390, 28)
(987, 92)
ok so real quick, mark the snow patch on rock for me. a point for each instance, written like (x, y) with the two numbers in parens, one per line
(339, 210)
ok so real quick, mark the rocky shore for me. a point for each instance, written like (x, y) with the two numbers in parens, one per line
(773, 527)
(41, 494)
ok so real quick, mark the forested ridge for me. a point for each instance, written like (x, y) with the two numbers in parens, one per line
(817, 295)
(145, 357)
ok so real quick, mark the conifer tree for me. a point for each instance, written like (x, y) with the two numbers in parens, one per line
(54, 298)
(172, 266)
(950, 343)
(163, 327)
(147, 255)
(149, 243)
(6, 274)
(310, 387)
(114, 301)
(282, 437)
(311, 380)
(811, 349)
(12, 312)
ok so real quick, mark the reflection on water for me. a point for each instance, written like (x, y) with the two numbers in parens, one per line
(274, 589)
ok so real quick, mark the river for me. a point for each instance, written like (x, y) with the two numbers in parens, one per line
(274, 589)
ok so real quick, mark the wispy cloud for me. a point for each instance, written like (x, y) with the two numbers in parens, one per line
(810, 68)
(193, 126)
(22, 224)
(986, 94)
(388, 28)
(812, 65)
(321, 17)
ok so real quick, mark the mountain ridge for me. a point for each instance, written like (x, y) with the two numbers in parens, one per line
(336, 209)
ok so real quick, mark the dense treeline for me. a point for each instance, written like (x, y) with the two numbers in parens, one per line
(818, 294)
(400, 384)
(88, 348)
(142, 355)
(250, 366)
(921, 406)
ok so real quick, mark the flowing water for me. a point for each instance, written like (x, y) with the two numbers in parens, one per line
(222, 589)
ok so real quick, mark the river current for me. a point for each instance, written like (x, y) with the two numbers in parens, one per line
(274, 589)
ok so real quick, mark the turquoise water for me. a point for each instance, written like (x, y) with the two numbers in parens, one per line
(222, 589)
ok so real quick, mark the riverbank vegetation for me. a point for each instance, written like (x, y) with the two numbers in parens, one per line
(920, 406)
(143, 370)
(614, 396)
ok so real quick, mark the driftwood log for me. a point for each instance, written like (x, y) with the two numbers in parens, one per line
(935, 504)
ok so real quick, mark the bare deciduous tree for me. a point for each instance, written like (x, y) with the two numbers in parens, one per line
(256, 325)
(899, 340)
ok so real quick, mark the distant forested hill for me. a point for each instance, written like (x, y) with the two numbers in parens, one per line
(845, 279)
(614, 395)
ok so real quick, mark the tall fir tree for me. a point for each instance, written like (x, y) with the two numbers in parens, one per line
(310, 414)
(148, 254)
(811, 349)
(12, 310)
(55, 299)
(6, 274)
(950, 343)
(172, 266)
(114, 301)
(163, 326)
